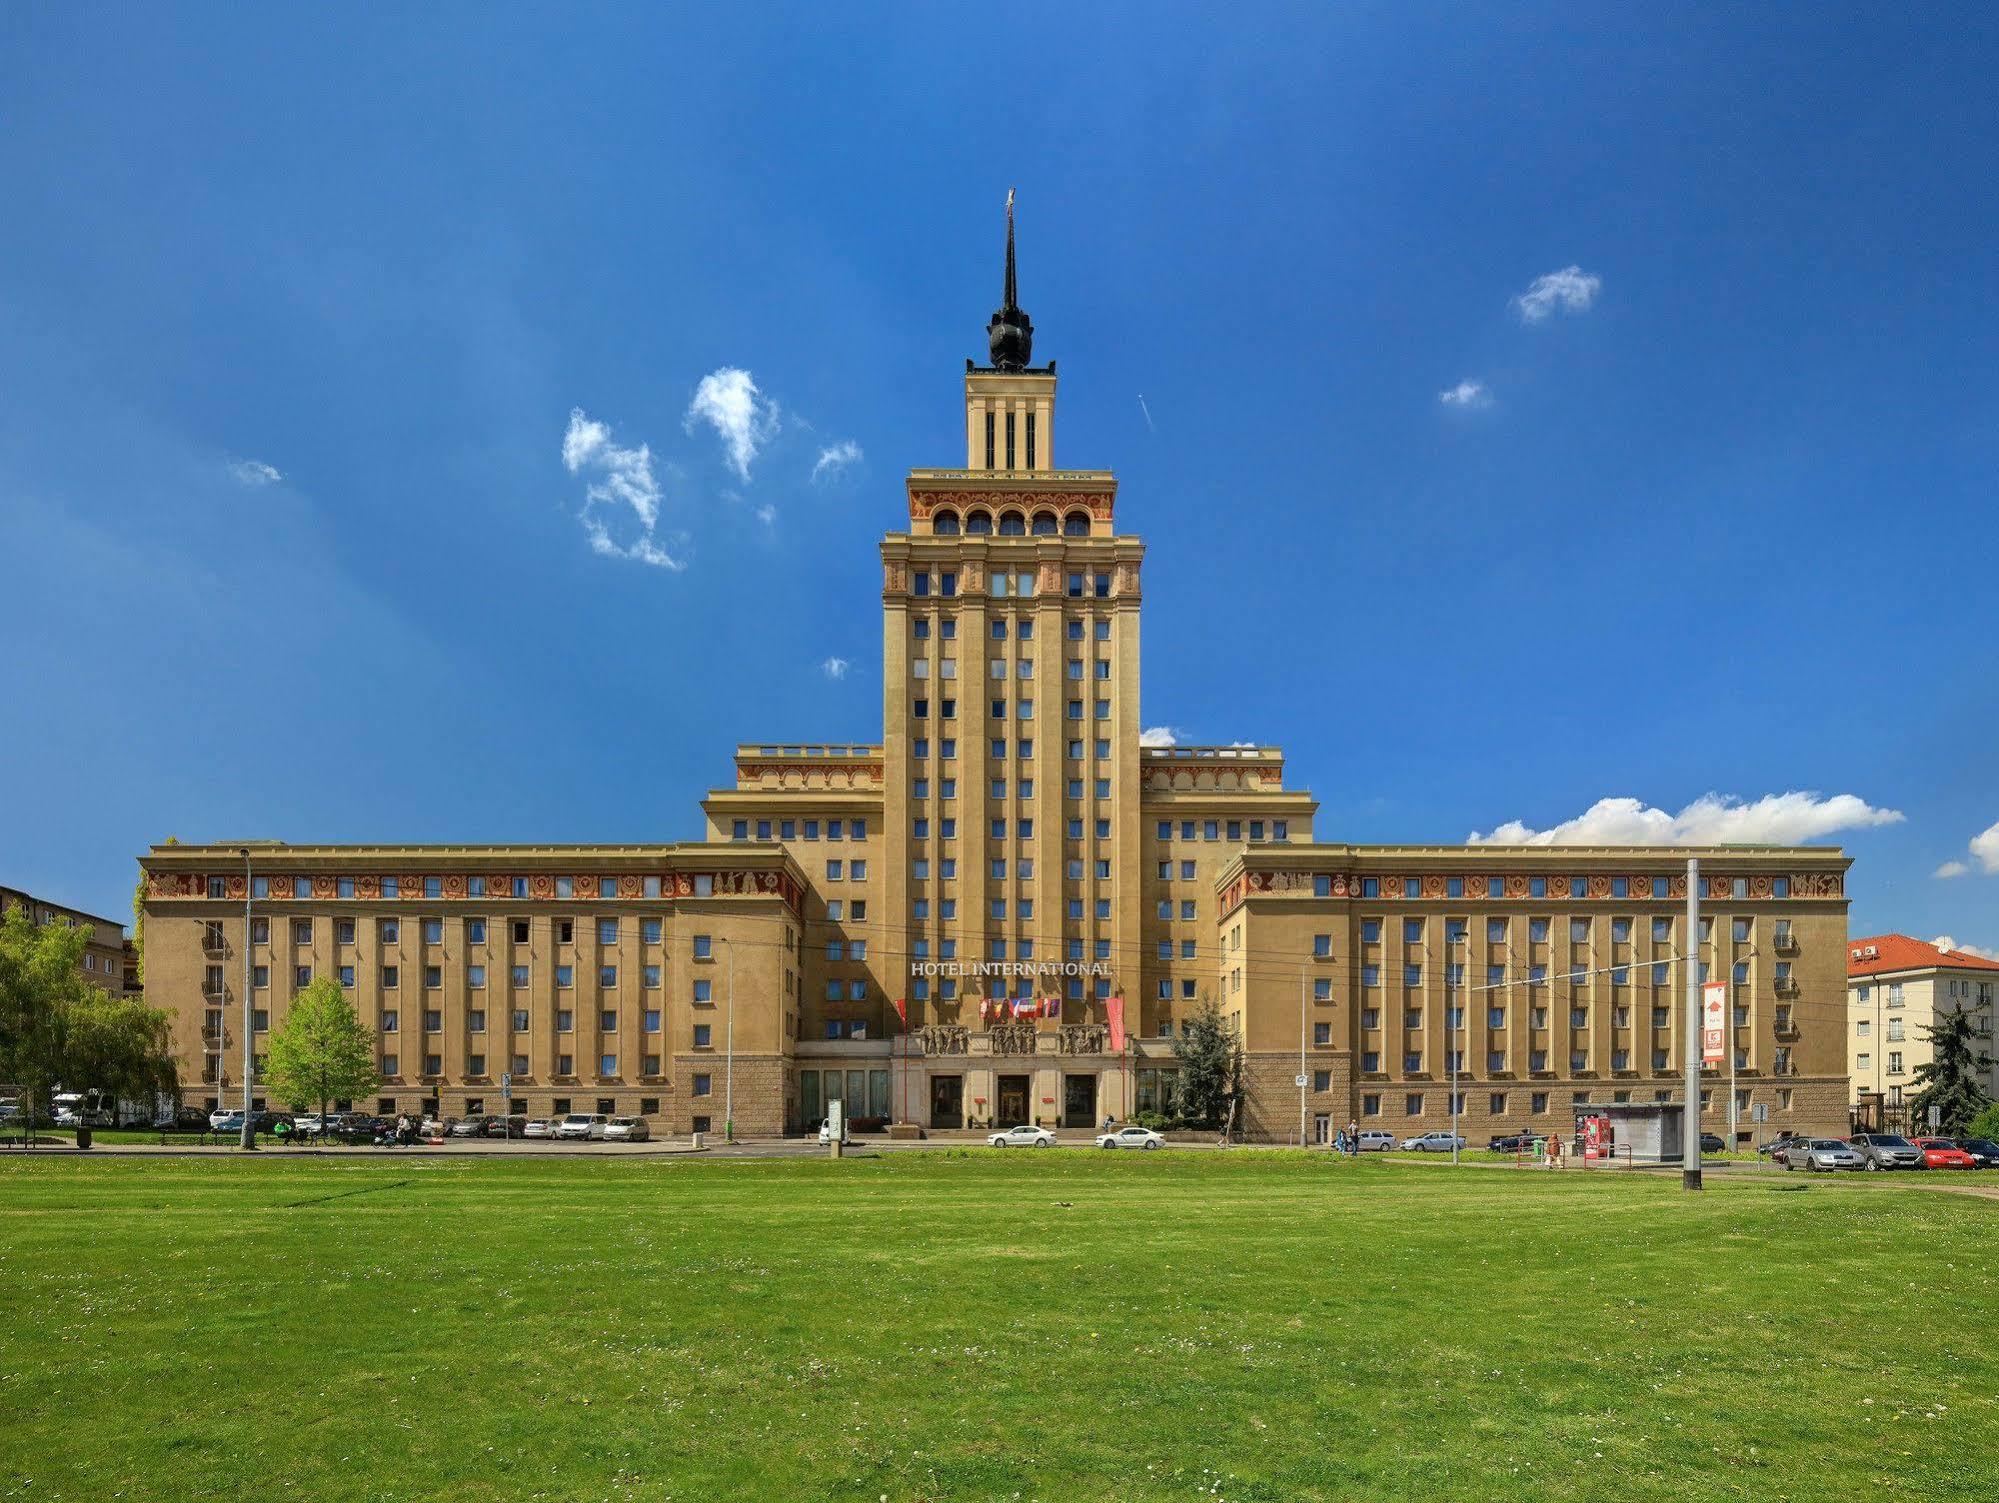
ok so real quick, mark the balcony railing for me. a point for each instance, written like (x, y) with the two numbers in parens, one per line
(1787, 986)
(213, 942)
(1785, 942)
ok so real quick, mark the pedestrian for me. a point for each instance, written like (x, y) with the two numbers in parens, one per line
(1554, 1150)
(1353, 1138)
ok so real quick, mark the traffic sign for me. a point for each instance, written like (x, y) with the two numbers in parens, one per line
(1299, 1082)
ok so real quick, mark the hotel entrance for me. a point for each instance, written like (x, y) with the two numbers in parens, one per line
(1079, 1101)
(947, 1101)
(1011, 1108)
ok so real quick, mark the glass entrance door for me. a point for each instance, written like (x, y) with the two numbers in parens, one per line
(1079, 1101)
(947, 1101)
(1012, 1106)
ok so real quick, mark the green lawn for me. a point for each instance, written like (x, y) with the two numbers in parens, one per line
(1058, 1326)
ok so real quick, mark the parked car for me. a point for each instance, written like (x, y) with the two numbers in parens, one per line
(1711, 1143)
(1432, 1142)
(537, 1127)
(826, 1131)
(1780, 1153)
(1816, 1154)
(580, 1127)
(1514, 1142)
(466, 1127)
(1023, 1136)
(1767, 1149)
(1376, 1140)
(1942, 1153)
(225, 1123)
(506, 1127)
(1131, 1135)
(627, 1130)
(307, 1122)
(1887, 1150)
(1983, 1151)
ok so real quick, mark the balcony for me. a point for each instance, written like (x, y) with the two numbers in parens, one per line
(1786, 986)
(1784, 942)
(213, 942)
(1785, 1028)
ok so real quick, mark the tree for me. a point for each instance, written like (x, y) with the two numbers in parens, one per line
(1948, 1080)
(1210, 1057)
(1985, 1124)
(57, 1029)
(139, 916)
(322, 1052)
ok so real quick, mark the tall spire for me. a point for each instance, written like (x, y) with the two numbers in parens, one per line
(1011, 332)
(1009, 304)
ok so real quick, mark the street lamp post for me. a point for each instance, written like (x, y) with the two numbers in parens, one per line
(1304, 986)
(1690, 1034)
(249, 1139)
(1451, 1029)
(729, 1050)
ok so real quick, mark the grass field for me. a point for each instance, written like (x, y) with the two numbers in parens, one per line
(1057, 1326)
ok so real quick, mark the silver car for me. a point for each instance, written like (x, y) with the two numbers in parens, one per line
(1131, 1136)
(627, 1130)
(580, 1127)
(1432, 1142)
(1816, 1154)
(1887, 1150)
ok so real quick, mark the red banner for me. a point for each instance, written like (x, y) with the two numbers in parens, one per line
(1115, 1010)
(902, 1010)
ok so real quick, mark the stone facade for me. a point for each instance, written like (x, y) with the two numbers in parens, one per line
(1010, 906)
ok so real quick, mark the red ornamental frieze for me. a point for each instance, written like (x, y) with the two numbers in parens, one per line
(236, 887)
(1517, 887)
(412, 887)
(367, 887)
(1434, 887)
(498, 886)
(1098, 503)
(631, 887)
(541, 887)
(1599, 887)
(175, 885)
(853, 771)
(324, 887)
(454, 887)
(1759, 887)
(1717, 887)
(1676, 886)
(1818, 885)
(1640, 884)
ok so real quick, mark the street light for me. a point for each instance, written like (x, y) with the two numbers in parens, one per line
(249, 1140)
(1451, 1030)
(729, 1050)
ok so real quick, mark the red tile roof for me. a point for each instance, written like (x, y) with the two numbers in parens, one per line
(1881, 953)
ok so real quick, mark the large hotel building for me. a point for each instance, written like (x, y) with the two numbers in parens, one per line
(1007, 909)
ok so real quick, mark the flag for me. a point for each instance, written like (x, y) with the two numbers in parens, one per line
(1114, 1008)
(902, 1010)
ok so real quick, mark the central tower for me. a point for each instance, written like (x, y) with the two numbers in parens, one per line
(1010, 714)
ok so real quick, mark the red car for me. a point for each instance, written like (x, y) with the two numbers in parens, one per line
(1941, 1153)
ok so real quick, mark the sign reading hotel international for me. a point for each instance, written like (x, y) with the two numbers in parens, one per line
(982, 970)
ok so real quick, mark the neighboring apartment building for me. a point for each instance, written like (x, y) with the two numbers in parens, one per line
(1896, 988)
(1008, 908)
(104, 955)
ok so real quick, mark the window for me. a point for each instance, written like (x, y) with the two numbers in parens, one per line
(704, 990)
(520, 976)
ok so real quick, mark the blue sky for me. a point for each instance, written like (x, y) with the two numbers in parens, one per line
(296, 308)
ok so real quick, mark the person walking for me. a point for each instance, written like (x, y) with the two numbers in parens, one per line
(1353, 1138)
(1554, 1150)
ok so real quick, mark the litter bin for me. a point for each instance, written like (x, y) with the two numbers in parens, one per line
(83, 1137)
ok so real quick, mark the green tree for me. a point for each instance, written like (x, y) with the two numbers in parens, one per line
(1948, 1080)
(58, 1030)
(1985, 1124)
(322, 1053)
(1210, 1057)
(139, 916)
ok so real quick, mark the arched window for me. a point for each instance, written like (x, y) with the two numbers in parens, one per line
(1076, 525)
(979, 523)
(1012, 525)
(1044, 524)
(946, 524)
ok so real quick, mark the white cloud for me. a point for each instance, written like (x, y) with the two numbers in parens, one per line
(834, 458)
(1248, 745)
(835, 668)
(1951, 869)
(1570, 290)
(729, 402)
(1945, 942)
(1712, 819)
(1159, 735)
(1149, 428)
(1985, 846)
(1466, 394)
(767, 514)
(621, 477)
(254, 472)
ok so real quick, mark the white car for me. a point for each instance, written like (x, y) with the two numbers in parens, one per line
(307, 1122)
(1432, 1142)
(826, 1132)
(537, 1127)
(580, 1126)
(220, 1115)
(1375, 1140)
(627, 1130)
(1131, 1136)
(1022, 1136)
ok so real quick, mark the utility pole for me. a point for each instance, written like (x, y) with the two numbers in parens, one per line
(249, 1139)
(1451, 1030)
(729, 1051)
(1304, 989)
(1690, 1043)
